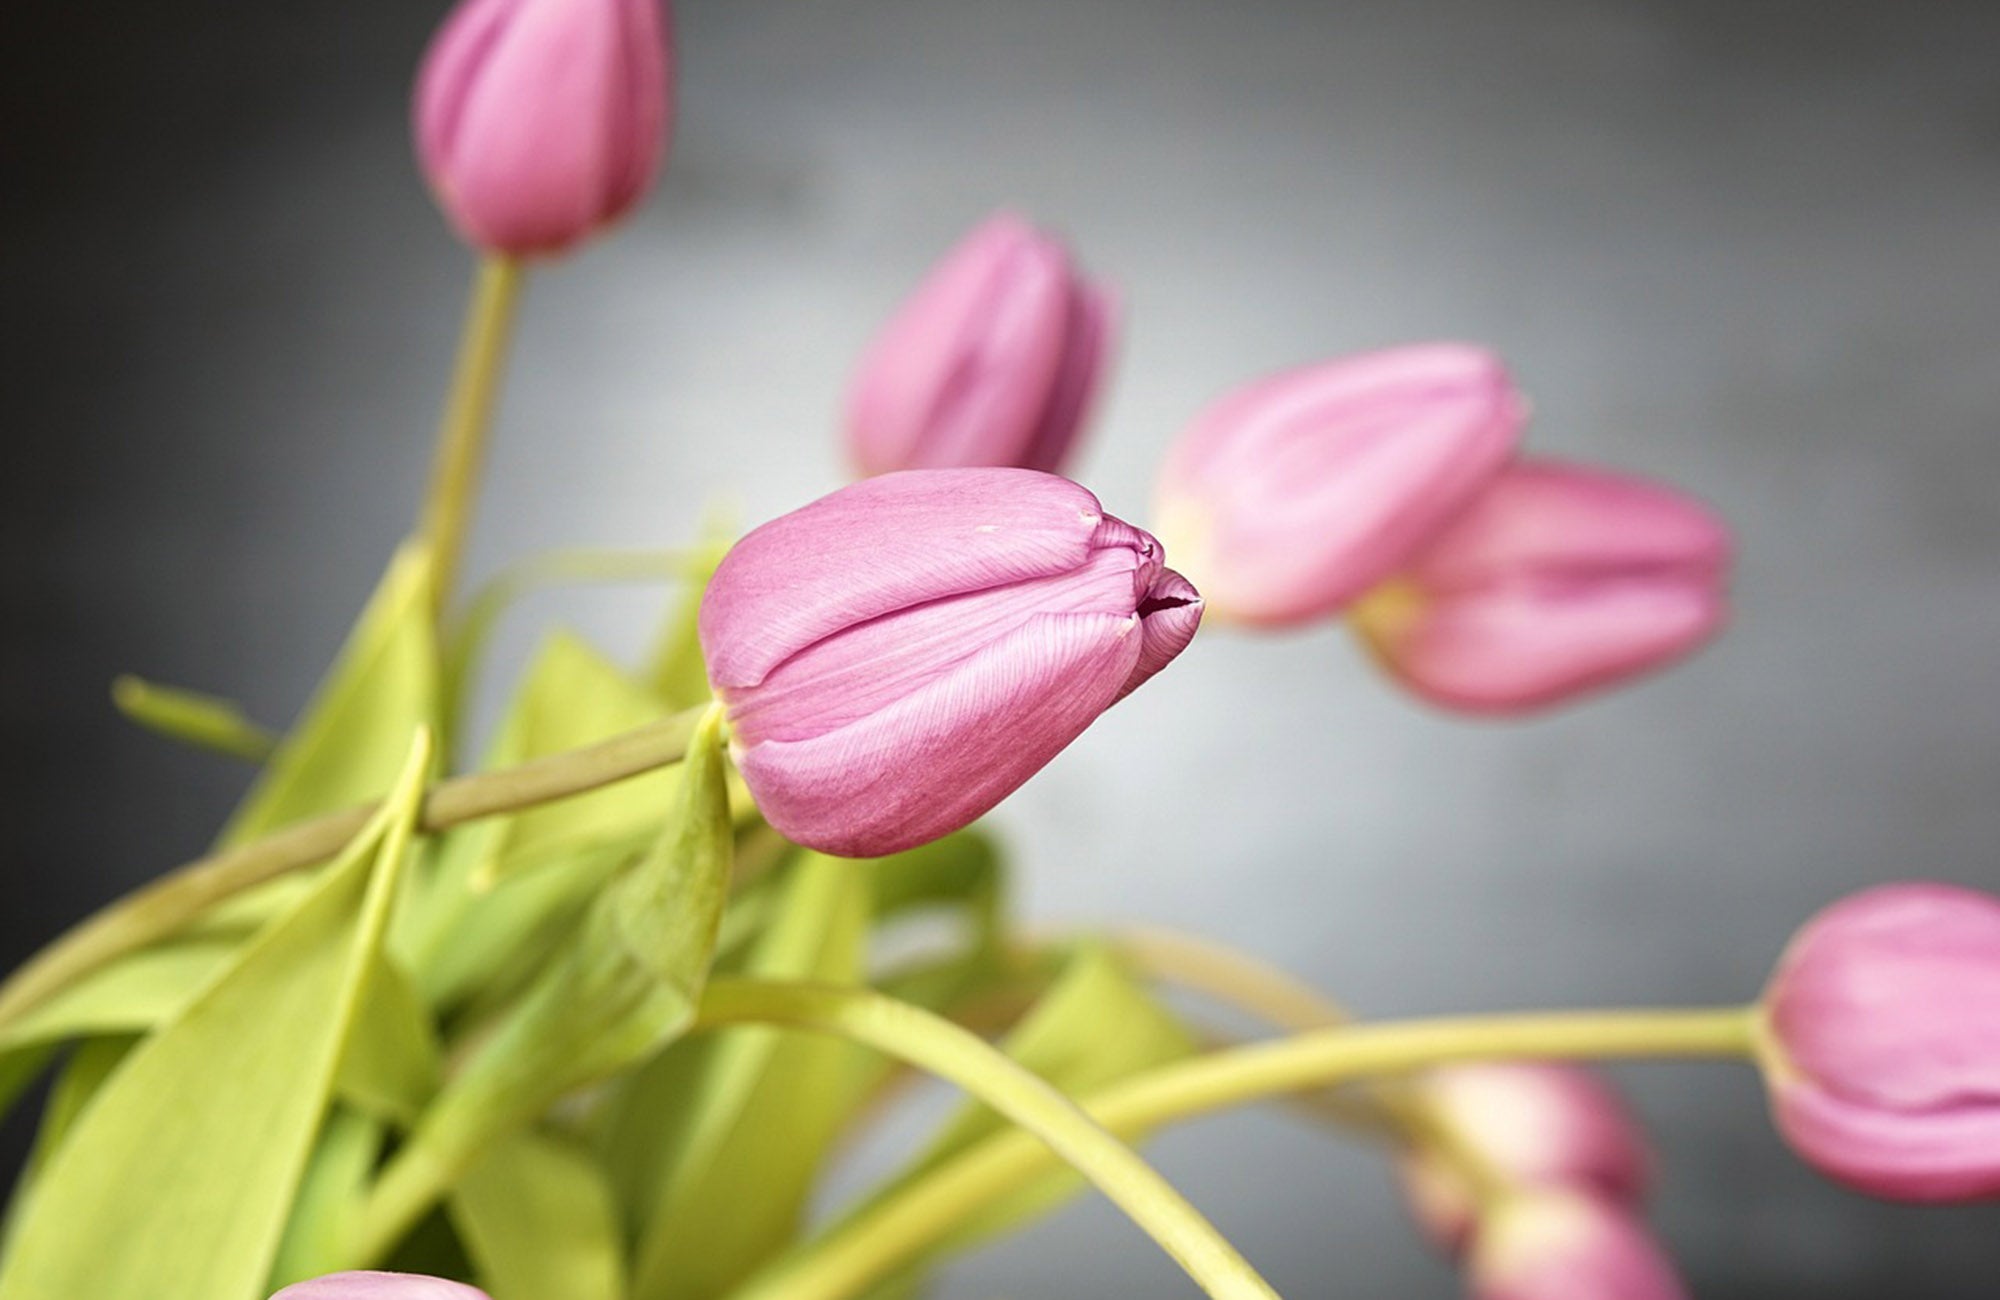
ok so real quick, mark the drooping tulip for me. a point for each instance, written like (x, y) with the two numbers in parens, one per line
(1288, 499)
(995, 359)
(899, 656)
(1568, 1245)
(539, 122)
(1882, 1051)
(379, 1286)
(1531, 1125)
(1559, 580)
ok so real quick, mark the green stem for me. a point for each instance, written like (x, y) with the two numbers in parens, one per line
(461, 450)
(1049, 1121)
(898, 1229)
(162, 907)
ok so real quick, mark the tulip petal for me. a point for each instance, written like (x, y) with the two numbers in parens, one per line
(1891, 998)
(963, 371)
(379, 1286)
(1558, 581)
(886, 544)
(1087, 341)
(1948, 1154)
(1569, 1246)
(937, 759)
(1292, 497)
(1169, 617)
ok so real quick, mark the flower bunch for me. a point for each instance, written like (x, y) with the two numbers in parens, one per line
(589, 1014)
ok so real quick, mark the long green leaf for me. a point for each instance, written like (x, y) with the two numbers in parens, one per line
(351, 741)
(716, 1145)
(177, 1180)
(505, 887)
(538, 1218)
(329, 1198)
(192, 718)
(132, 995)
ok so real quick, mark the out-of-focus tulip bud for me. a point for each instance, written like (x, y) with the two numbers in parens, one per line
(539, 122)
(1291, 497)
(1882, 1051)
(1531, 1125)
(897, 657)
(379, 1286)
(994, 360)
(1559, 580)
(1569, 1245)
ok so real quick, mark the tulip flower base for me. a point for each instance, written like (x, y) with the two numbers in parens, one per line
(589, 1014)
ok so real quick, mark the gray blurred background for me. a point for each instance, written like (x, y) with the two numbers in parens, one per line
(1751, 248)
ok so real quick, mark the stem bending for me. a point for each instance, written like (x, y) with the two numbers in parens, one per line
(1051, 1123)
(178, 897)
(896, 1232)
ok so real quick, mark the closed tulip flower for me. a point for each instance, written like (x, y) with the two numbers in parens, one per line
(899, 656)
(1558, 581)
(379, 1286)
(1531, 1125)
(1290, 498)
(1569, 1246)
(1882, 1054)
(994, 360)
(539, 122)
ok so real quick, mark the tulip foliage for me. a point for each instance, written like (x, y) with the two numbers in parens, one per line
(591, 1012)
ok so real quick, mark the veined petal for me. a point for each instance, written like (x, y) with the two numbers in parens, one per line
(1087, 342)
(881, 545)
(1951, 1153)
(936, 759)
(1169, 616)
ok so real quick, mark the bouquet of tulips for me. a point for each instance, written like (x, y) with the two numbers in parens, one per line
(588, 1015)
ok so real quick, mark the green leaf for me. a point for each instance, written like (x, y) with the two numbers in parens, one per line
(18, 1071)
(538, 1218)
(350, 744)
(132, 995)
(330, 1197)
(1096, 1026)
(392, 1064)
(505, 886)
(717, 1144)
(192, 718)
(75, 1084)
(626, 987)
(176, 1180)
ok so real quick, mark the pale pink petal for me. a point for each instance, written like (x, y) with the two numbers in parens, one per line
(1087, 342)
(1169, 616)
(1949, 1153)
(962, 372)
(885, 544)
(1558, 581)
(379, 1286)
(1290, 498)
(1573, 1246)
(939, 758)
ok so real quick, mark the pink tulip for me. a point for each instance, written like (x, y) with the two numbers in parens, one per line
(1883, 1051)
(1288, 499)
(1568, 1246)
(1531, 1125)
(379, 1286)
(994, 360)
(539, 122)
(899, 656)
(1559, 580)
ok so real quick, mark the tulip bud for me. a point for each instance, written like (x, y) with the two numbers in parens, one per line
(1288, 499)
(1568, 1246)
(899, 656)
(1557, 581)
(994, 360)
(379, 1286)
(1882, 1052)
(539, 122)
(1532, 1125)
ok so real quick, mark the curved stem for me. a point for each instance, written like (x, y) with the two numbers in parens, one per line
(898, 1229)
(160, 908)
(1252, 985)
(461, 448)
(1053, 1123)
